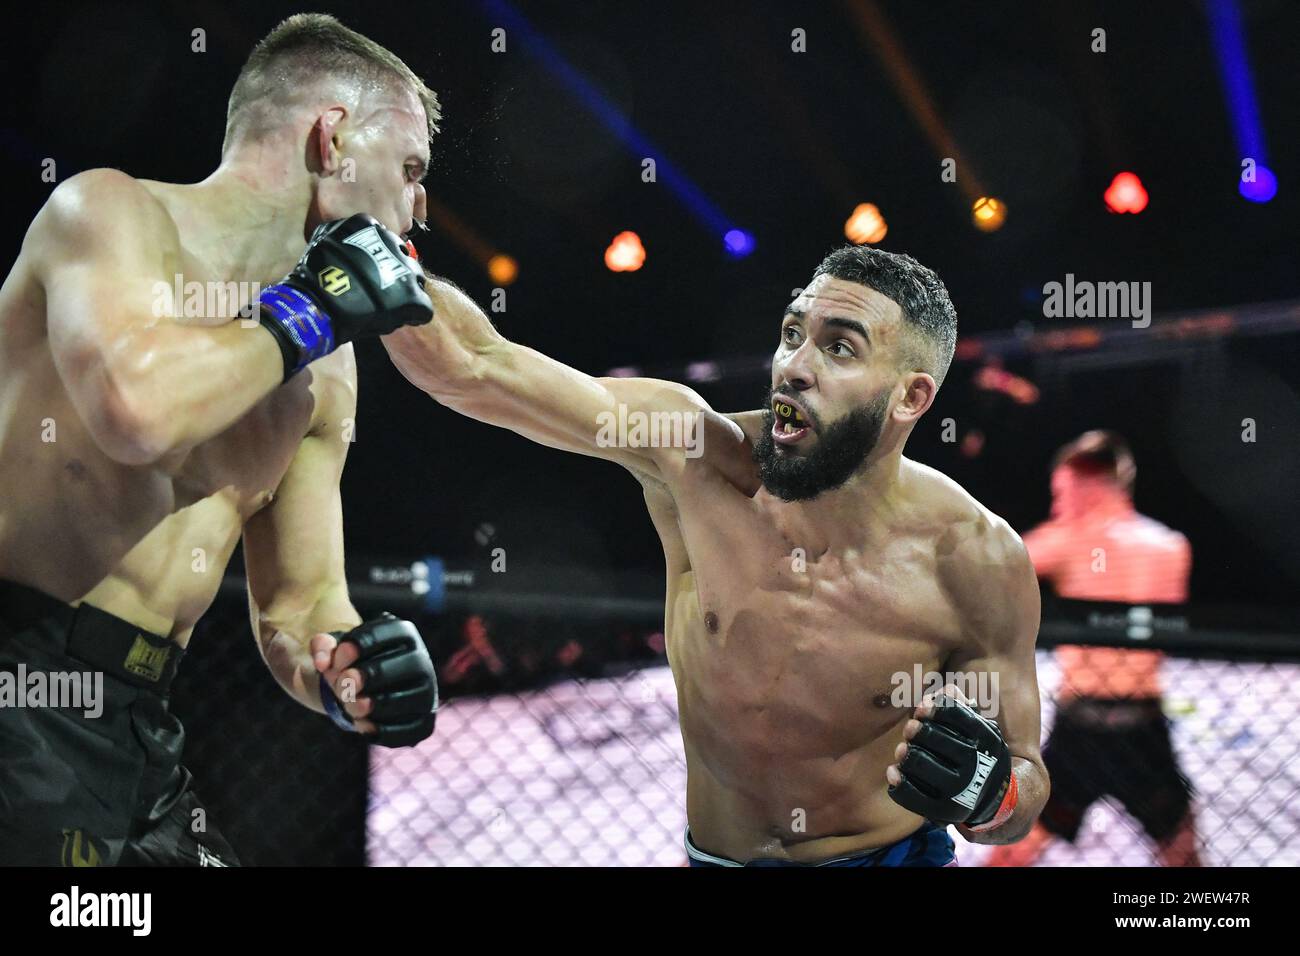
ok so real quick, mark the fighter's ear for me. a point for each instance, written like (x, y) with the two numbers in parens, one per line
(326, 146)
(919, 389)
(1125, 470)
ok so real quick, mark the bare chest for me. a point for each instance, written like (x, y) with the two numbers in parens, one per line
(806, 651)
(244, 464)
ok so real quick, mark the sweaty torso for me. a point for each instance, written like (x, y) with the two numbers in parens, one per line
(146, 543)
(783, 649)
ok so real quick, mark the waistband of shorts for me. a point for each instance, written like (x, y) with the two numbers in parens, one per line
(1113, 705)
(701, 856)
(91, 636)
(1111, 713)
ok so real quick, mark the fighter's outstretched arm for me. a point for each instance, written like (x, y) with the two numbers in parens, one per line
(143, 383)
(464, 363)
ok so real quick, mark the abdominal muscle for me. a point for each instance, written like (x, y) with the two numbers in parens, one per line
(167, 581)
(85, 530)
(806, 812)
(792, 775)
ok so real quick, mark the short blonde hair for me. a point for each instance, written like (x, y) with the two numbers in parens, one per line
(304, 48)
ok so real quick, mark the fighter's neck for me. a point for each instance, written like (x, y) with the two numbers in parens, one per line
(865, 509)
(247, 226)
(1094, 504)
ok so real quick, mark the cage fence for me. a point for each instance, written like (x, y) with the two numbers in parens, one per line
(558, 745)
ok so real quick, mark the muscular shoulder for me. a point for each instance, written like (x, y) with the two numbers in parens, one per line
(942, 503)
(982, 563)
(102, 210)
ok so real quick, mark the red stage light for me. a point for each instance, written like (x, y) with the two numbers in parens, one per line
(1126, 194)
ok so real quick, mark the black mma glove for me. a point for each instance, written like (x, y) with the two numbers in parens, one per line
(356, 279)
(957, 769)
(397, 675)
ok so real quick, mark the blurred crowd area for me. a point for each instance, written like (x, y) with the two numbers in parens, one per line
(493, 656)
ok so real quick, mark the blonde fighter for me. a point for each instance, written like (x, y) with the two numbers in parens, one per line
(137, 442)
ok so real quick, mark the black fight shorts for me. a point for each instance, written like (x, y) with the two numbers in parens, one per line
(1119, 748)
(96, 780)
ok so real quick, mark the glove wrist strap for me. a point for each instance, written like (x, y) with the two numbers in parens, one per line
(294, 317)
(1004, 811)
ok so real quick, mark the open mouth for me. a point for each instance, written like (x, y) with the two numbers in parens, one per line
(790, 425)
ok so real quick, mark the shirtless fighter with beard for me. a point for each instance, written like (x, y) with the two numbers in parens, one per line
(808, 562)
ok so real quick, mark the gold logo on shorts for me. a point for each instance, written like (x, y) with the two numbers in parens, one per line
(145, 659)
(79, 849)
(334, 280)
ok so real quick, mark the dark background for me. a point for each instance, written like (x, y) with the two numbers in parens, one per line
(785, 144)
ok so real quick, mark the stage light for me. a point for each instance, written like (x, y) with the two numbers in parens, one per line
(625, 253)
(703, 372)
(1126, 194)
(988, 214)
(1229, 40)
(866, 224)
(1262, 189)
(1020, 390)
(972, 443)
(738, 243)
(528, 39)
(503, 269)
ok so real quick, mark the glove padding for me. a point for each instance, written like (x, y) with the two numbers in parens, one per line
(355, 279)
(957, 768)
(397, 676)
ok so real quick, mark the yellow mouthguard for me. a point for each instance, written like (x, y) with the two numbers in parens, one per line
(787, 411)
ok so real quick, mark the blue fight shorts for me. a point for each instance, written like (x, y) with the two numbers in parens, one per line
(929, 846)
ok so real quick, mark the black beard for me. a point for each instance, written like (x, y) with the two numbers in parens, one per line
(840, 451)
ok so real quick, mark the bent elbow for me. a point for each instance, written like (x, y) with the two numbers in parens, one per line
(127, 429)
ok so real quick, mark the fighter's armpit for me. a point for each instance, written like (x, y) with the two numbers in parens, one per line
(751, 423)
(725, 446)
(653, 485)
